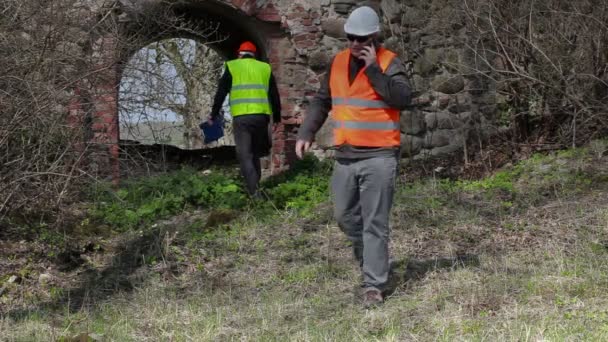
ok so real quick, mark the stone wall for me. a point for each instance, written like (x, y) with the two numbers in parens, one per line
(299, 38)
(430, 38)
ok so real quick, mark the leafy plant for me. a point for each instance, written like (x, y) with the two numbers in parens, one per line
(142, 201)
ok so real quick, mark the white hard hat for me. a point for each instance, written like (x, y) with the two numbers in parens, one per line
(362, 22)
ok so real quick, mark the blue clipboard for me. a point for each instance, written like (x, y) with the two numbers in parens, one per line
(213, 132)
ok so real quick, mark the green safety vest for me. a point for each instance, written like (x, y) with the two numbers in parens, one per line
(249, 91)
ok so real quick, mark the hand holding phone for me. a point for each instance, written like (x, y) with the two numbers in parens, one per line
(368, 55)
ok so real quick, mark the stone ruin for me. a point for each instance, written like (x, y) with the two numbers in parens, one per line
(298, 38)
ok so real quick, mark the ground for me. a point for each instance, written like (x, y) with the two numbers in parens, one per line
(517, 255)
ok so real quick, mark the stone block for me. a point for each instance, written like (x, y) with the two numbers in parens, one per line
(397, 45)
(453, 61)
(334, 27)
(343, 6)
(441, 101)
(412, 17)
(445, 150)
(412, 122)
(410, 145)
(391, 10)
(419, 83)
(325, 136)
(448, 84)
(437, 138)
(431, 120)
(423, 66)
(468, 118)
(318, 61)
(446, 120)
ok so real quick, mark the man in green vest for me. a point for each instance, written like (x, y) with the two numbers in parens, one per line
(254, 98)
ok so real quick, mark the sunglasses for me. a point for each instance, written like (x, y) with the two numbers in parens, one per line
(358, 39)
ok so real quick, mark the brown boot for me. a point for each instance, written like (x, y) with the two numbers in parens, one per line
(372, 298)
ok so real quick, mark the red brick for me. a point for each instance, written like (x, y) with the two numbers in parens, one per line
(273, 18)
(99, 127)
(292, 121)
(300, 38)
(279, 145)
(305, 44)
(109, 119)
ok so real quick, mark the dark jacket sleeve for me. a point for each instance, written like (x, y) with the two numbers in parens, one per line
(392, 85)
(275, 100)
(317, 111)
(223, 88)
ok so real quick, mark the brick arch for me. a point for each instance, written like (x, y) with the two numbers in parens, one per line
(237, 19)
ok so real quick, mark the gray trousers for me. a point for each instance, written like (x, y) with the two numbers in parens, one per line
(362, 191)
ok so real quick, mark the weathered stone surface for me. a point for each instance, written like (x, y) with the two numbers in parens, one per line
(438, 138)
(396, 45)
(468, 118)
(430, 120)
(412, 17)
(445, 150)
(453, 62)
(430, 40)
(441, 101)
(421, 101)
(419, 83)
(447, 120)
(332, 45)
(391, 10)
(325, 136)
(343, 8)
(318, 61)
(434, 55)
(448, 84)
(334, 27)
(410, 145)
(423, 66)
(412, 122)
(458, 107)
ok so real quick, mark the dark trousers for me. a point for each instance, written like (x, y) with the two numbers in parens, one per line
(253, 141)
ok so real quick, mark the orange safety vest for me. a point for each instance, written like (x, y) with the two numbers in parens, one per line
(361, 117)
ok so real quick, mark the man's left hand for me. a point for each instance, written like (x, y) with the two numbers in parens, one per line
(368, 55)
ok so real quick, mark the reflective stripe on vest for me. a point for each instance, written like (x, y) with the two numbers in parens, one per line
(249, 91)
(371, 126)
(361, 117)
(336, 101)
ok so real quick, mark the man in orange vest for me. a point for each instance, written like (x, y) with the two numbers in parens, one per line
(254, 98)
(365, 90)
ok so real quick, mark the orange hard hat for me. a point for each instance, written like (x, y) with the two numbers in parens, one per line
(248, 46)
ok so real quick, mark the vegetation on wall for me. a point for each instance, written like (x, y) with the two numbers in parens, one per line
(548, 63)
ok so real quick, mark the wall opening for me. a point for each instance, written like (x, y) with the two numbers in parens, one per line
(166, 90)
(168, 78)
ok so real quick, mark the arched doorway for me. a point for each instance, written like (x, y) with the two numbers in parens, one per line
(214, 24)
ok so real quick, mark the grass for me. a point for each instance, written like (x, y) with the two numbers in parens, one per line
(287, 274)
